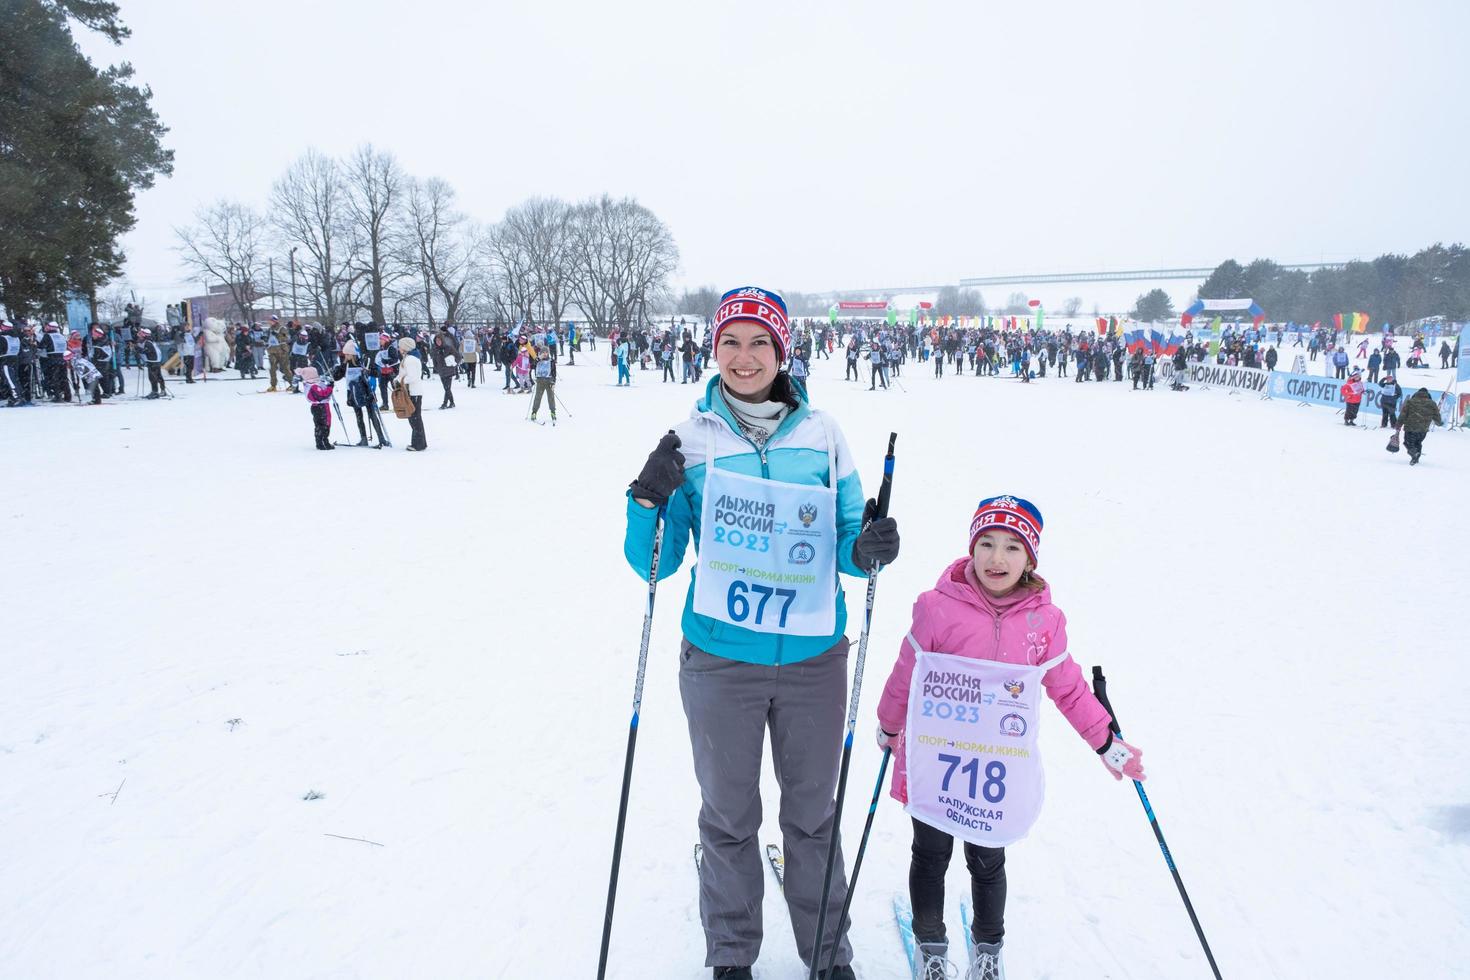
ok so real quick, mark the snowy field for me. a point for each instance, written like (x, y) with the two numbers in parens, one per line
(210, 621)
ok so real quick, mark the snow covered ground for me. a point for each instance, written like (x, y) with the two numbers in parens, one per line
(210, 621)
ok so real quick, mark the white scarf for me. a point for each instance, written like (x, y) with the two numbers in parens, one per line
(758, 420)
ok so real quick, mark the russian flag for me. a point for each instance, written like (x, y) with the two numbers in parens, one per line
(1156, 340)
(1174, 342)
(1135, 341)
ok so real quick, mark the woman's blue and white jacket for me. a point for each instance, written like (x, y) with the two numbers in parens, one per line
(795, 453)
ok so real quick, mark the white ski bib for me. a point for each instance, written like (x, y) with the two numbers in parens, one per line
(974, 768)
(768, 551)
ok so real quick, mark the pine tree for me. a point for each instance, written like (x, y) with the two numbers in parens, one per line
(76, 144)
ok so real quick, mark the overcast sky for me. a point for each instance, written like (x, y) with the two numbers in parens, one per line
(850, 144)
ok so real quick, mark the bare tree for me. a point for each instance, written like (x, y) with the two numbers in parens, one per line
(624, 256)
(1017, 305)
(308, 208)
(374, 204)
(540, 230)
(441, 246)
(112, 303)
(510, 287)
(227, 243)
(1072, 306)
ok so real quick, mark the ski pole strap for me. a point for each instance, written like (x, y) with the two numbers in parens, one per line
(1100, 691)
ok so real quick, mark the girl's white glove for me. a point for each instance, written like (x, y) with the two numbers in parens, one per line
(886, 741)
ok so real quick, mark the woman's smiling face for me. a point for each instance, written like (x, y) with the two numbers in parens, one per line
(747, 358)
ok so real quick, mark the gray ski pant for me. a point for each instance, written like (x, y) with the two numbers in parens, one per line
(729, 705)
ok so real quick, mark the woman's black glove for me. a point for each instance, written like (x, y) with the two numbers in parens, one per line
(878, 542)
(662, 474)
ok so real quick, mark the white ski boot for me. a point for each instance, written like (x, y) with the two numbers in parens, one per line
(985, 961)
(931, 962)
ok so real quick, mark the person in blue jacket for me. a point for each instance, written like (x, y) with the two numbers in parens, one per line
(766, 488)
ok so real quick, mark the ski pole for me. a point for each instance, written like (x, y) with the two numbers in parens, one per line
(885, 490)
(612, 884)
(857, 862)
(1100, 689)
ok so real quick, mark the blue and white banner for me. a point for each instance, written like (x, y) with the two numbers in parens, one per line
(1328, 391)
(1210, 375)
(1464, 355)
(78, 313)
(1306, 388)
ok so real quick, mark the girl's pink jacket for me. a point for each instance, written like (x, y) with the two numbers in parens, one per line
(319, 392)
(954, 617)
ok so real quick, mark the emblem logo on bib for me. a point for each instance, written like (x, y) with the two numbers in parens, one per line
(1013, 725)
(807, 513)
(1015, 688)
(801, 553)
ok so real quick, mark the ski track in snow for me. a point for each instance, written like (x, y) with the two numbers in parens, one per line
(219, 620)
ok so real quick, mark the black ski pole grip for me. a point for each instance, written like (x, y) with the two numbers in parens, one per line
(885, 488)
(1100, 691)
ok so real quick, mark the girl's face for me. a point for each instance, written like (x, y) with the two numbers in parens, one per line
(1000, 560)
(747, 359)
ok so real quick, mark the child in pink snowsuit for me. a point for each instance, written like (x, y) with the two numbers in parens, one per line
(989, 605)
(318, 396)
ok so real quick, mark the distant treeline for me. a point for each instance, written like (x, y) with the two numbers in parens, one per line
(1393, 289)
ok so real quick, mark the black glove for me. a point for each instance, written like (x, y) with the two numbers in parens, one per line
(878, 542)
(663, 473)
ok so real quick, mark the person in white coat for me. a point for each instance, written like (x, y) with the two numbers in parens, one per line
(410, 375)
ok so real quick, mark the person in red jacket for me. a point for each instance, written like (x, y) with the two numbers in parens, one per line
(1352, 396)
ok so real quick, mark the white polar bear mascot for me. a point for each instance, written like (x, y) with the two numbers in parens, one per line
(216, 348)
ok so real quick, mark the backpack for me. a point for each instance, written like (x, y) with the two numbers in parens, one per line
(402, 403)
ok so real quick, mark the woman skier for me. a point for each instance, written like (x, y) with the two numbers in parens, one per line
(770, 495)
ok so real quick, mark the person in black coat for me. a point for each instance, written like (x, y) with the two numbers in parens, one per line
(153, 360)
(244, 352)
(1389, 394)
(445, 355)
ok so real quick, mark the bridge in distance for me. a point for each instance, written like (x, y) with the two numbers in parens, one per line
(1122, 275)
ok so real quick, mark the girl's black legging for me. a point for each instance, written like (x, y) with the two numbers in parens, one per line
(931, 853)
(448, 380)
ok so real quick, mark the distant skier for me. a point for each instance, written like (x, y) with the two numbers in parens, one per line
(244, 352)
(992, 608)
(545, 371)
(1352, 397)
(53, 350)
(1420, 412)
(1389, 394)
(153, 361)
(318, 396)
(278, 350)
(88, 377)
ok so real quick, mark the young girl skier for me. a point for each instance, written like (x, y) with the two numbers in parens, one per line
(319, 396)
(960, 712)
